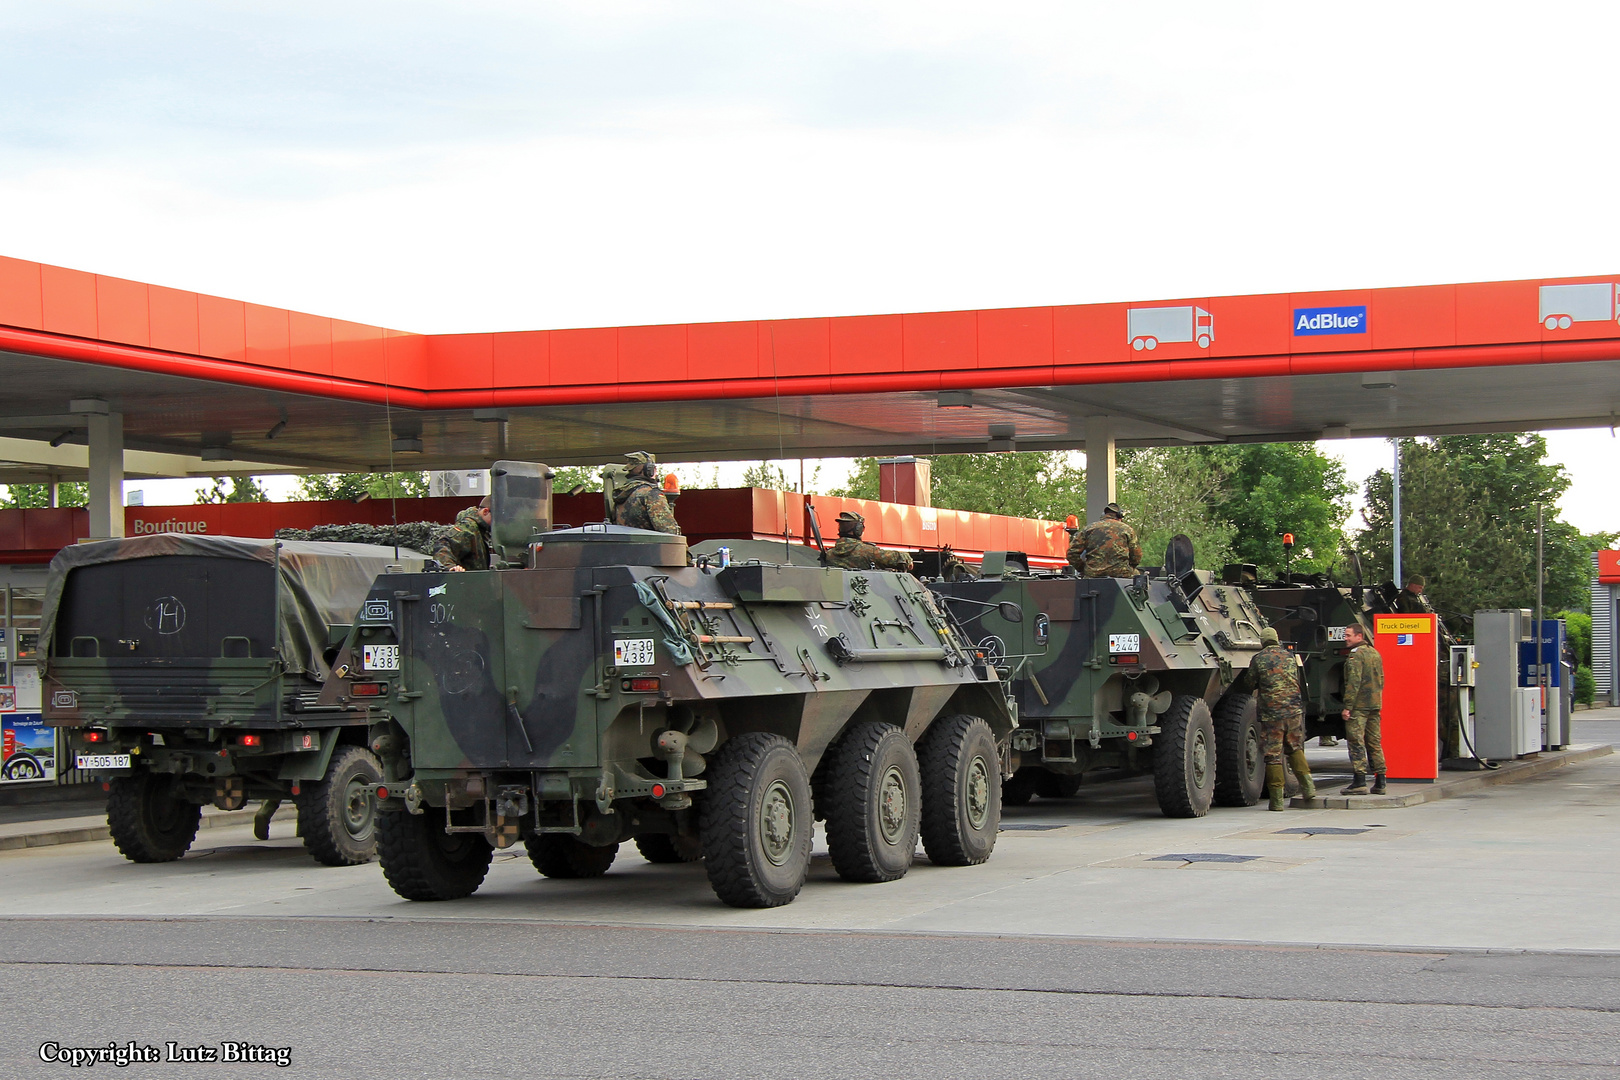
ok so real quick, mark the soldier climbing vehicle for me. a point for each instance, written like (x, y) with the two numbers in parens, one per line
(1135, 673)
(189, 669)
(705, 705)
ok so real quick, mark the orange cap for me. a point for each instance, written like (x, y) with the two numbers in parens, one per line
(672, 482)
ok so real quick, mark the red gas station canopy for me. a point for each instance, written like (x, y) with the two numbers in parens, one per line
(1431, 359)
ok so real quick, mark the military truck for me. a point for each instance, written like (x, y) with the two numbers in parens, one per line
(609, 692)
(1310, 614)
(1135, 673)
(189, 669)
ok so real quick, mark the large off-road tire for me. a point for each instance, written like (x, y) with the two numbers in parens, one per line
(337, 816)
(668, 848)
(1051, 785)
(1240, 754)
(148, 821)
(961, 777)
(1022, 787)
(1184, 758)
(756, 821)
(423, 862)
(558, 855)
(874, 803)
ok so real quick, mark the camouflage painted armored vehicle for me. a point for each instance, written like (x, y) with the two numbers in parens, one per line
(190, 668)
(1310, 615)
(1135, 673)
(609, 692)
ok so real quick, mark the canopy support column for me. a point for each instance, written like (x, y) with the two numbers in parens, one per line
(1099, 465)
(106, 474)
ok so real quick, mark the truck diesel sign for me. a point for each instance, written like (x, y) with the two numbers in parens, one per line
(1313, 321)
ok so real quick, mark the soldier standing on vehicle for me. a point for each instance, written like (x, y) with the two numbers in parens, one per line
(467, 546)
(1364, 702)
(641, 504)
(853, 553)
(1107, 547)
(1274, 674)
(1411, 601)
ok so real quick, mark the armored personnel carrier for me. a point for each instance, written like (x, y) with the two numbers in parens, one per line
(610, 692)
(1135, 673)
(189, 668)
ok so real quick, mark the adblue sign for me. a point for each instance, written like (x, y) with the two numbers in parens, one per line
(1315, 321)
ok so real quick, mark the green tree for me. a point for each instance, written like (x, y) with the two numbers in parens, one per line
(1168, 490)
(1028, 483)
(357, 486)
(576, 478)
(1266, 489)
(241, 489)
(766, 474)
(1468, 524)
(36, 496)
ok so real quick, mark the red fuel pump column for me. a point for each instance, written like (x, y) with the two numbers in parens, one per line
(1411, 698)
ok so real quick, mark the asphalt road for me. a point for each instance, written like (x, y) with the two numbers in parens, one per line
(441, 999)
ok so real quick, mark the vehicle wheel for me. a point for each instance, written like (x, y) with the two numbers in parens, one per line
(961, 775)
(873, 803)
(1022, 787)
(1203, 341)
(756, 821)
(149, 823)
(1240, 756)
(667, 848)
(337, 816)
(1184, 759)
(558, 855)
(1051, 785)
(423, 862)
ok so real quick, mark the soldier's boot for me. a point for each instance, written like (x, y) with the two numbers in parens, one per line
(1327, 740)
(1274, 785)
(1378, 787)
(261, 820)
(1302, 770)
(1358, 785)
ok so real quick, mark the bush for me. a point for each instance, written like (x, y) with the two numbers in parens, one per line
(1585, 686)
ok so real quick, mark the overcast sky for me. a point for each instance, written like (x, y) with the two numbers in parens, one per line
(477, 166)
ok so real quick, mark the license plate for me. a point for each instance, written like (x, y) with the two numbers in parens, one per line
(1124, 643)
(380, 657)
(636, 652)
(103, 761)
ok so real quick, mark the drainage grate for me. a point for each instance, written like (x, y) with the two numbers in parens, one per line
(1204, 856)
(1321, 830)
(1029, 827)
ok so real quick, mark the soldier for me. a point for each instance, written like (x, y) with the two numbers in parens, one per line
(1364, 701)
(853, 553)
(1411, 601)
(1107, 547)
(467, 546)
(1274, 674)
(640, 504)
(261, 820)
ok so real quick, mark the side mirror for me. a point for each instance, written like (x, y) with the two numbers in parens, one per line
(1010, 611)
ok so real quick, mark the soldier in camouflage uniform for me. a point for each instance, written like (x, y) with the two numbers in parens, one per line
(1274, 674)
(853, 553)
(1411, 601)
(1107, 547)
(467, 546)
(641, 504)
(1364, 702)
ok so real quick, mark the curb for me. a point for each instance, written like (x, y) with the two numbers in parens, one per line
(84, 834)
(1445, 788)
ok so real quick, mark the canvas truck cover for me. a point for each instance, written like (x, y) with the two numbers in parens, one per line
(193, 592)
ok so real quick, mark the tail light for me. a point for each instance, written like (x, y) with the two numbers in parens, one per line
(382, 792)
(95, 736)
(250, 740)
(641, 684)
(366, 689)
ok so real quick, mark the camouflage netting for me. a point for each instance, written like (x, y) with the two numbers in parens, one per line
(416, 535)
(320, 584)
